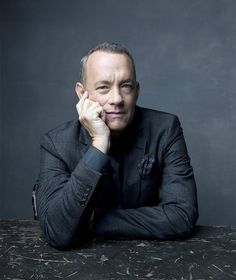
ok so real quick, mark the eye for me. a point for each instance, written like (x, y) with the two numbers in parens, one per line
(102, 88)
(127, 87)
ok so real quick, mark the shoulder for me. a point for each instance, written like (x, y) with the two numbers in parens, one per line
(64, 129)
(160, 128)
(65, 132)
(157, 119)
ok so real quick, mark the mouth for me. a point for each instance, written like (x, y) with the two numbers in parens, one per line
(115, 114)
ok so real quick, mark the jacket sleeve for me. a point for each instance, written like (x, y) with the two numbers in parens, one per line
(64, 198)
(176, 212)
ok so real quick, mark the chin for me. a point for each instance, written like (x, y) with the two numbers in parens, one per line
(117, 128)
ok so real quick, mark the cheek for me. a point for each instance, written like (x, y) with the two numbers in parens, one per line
(101, 99)
(130, 102)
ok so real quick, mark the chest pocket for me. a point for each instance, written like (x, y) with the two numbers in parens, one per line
(141, 189)
(149, 181)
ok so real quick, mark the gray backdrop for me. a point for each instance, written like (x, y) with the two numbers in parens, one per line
(185, 53)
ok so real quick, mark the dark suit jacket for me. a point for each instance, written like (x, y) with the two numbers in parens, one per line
(158, 190)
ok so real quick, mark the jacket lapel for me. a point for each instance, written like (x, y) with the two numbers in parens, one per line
(132, 179)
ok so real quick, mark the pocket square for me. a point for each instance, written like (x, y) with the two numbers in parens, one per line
(146, 165)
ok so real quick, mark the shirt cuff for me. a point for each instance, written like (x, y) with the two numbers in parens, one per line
(95, 159)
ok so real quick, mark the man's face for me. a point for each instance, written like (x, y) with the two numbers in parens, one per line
(110, 81)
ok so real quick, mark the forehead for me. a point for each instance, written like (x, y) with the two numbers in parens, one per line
(104, 65)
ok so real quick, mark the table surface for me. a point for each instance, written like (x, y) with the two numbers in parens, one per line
(209, 254)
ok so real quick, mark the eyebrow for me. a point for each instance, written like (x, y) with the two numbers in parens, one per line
(106, 82)
(102, 82)
(128, 81)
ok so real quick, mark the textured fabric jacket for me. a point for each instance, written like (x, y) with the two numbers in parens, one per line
(159, 199)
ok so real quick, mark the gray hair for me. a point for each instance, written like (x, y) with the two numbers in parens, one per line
(109, 48)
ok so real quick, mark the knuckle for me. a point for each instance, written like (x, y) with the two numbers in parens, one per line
(81, 117)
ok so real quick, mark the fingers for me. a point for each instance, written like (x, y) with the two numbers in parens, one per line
(80, 104)
(85, 95)
(92, 118)
(91, 109)
(103, 115)
(100, 112)
(88, 109)
(82, 100)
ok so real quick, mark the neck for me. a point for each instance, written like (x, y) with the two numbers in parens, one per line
(116, 134)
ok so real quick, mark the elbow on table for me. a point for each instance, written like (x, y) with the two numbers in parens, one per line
(185, 225)
(59, 243)
(184, 231)
(57, 238)
(180, 222)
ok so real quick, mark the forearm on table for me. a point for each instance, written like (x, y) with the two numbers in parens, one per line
(158, 222)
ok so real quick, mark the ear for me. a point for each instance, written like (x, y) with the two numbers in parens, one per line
(79, 88)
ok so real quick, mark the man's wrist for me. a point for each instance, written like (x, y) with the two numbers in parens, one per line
(96, 159)
(102, 144)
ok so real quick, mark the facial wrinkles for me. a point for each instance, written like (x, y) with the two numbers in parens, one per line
(114, 75)
(106, 70)
(107, 67)
(113, 80)
(116, 95)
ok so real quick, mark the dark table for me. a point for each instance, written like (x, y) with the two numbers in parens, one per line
(209, 254)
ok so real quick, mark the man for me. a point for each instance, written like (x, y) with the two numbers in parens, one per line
(118, 171)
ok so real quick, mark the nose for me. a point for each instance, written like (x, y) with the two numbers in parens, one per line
(115, 97)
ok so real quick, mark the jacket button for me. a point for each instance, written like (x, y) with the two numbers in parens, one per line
(82, 204)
